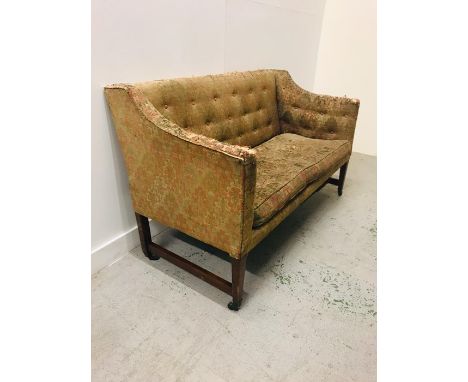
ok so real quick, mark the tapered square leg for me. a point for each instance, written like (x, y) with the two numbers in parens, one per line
(238, 273)
(145, 235)
(342, 178)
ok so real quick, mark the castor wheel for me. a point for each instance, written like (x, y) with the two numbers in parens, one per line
(234, 306)
(151, 257)
(148, 254)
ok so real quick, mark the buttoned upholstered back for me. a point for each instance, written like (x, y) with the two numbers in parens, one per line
(235, 108)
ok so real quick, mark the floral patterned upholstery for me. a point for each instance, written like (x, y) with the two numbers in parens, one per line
(226, 158)
(286, 164)
(237, 108)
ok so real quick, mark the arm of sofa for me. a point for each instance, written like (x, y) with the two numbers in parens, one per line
(186, 181)
(313, 115)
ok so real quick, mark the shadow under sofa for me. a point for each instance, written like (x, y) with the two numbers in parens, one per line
(225, 158)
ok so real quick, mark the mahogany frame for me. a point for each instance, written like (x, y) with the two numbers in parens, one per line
(235, 288)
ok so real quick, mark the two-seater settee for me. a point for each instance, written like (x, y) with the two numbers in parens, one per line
(225, 158)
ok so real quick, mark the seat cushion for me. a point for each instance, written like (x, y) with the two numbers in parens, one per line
(286, 164)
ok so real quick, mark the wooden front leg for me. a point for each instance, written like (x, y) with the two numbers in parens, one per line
(238, 273)
(145, 235)
(342, 178)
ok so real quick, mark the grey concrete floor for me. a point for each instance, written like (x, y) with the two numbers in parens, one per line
(309, 313)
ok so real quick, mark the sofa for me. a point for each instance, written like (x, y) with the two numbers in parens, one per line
(226, 158)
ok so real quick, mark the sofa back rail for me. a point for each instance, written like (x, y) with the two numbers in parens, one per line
(236, 108)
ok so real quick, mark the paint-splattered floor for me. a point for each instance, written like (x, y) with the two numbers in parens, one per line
(309, 312)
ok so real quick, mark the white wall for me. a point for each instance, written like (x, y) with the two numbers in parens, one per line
(347, 62)
(282, 35)
(148, 39)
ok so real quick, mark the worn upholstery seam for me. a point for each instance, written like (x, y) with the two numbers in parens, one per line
(299, 173)
(288, 202)
(186, 139)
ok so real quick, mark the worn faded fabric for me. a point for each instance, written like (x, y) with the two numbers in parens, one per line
(200, 152)
(259, 233)
(314, 115)
(286, 164)
(235, 108)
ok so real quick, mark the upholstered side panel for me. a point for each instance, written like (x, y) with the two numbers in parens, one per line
(313, 115)
(236, 108)
(185, 181)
